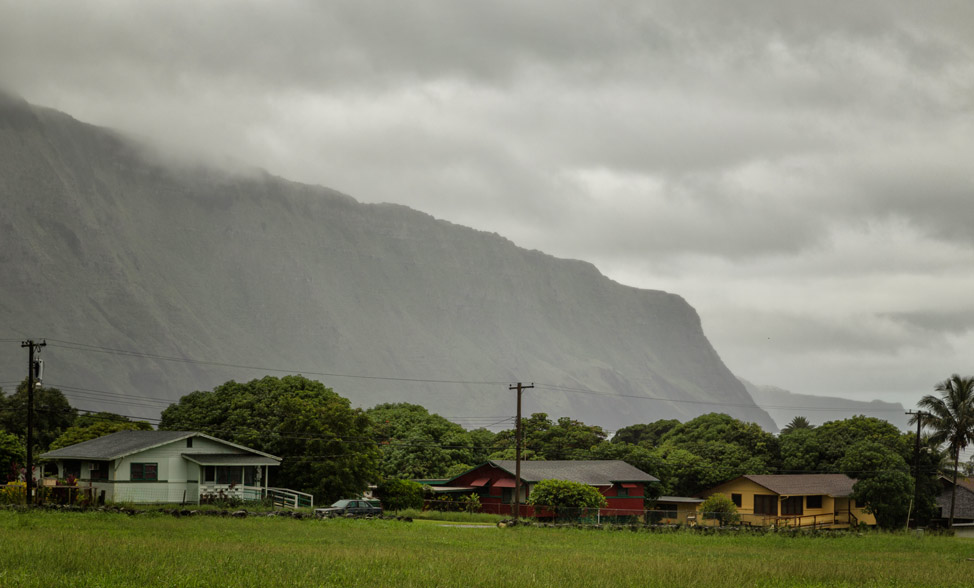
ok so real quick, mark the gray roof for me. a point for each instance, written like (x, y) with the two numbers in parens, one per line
(680, 499)
(124, 443)
(117, 445)
(591, 472)
(241, 459)
(805, 484)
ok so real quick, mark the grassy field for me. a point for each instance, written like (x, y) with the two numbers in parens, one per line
(97, 549)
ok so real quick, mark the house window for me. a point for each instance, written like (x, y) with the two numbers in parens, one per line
(189, 442)
(209, 473)
(813, 501)
(622, 492)
(72, 467)
(99, 470)
(229, 474)
(144, 471)
(792, 505)
(250, 474)
(736, 499)
(766, 504)
(507, 495)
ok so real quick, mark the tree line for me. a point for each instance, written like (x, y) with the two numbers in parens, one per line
(334, 450)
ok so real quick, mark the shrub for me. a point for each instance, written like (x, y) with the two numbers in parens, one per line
(565, 497)
(720, 507)
(400, 494)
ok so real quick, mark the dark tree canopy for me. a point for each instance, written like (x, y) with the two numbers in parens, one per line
(544, 439)
(837, 437)
(52, 414)
(417, 444)
(646, 434)
(883, 483)
(798, 423)
(79, 434)
(327, 446)
(13, 454)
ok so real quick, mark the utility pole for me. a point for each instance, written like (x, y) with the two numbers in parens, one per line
(517, 450)
(33, 369)
(916, 465)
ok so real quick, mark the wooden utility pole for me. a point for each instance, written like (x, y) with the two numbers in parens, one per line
(916, 466)
(33, 369)
(517, 450)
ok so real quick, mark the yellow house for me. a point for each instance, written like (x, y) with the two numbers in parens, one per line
(795, 500)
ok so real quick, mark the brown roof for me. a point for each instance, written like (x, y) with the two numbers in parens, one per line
(805, 484)
(966, 483)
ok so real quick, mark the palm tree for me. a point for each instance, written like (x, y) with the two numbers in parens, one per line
(799, 422)
(952, 420)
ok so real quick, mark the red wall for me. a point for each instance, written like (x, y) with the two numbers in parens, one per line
(491, 502)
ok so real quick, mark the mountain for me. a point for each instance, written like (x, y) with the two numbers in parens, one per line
(151, 278)
(783, 406)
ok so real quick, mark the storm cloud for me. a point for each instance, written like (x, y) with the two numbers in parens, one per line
(801, 173)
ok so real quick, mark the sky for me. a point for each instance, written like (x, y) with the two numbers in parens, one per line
(802, 173)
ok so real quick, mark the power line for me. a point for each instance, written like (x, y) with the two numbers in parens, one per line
(124, 352)
(554, 387)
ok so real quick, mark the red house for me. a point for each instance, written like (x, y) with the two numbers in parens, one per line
(623, 485)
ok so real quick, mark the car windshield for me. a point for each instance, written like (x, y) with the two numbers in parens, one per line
(341, 504)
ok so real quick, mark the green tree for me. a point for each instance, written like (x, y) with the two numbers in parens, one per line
(835, 438)
(801, 451)
(93, 418)
(952, 421)
(646, 434)
(482, 444)
(53, 414)
(717, 506)
(883, 483)
(13, 453)
(78, 434)
(543, 439)
(417, 444)
(565, 496)
(398, 494)
(714, 448)
(798, 423)
(326, 445)
(638, 456)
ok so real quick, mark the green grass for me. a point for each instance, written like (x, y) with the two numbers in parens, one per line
(454, 517)
(103, 550)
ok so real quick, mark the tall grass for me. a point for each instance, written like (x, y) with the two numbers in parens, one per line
(456, 517)
(106, 550)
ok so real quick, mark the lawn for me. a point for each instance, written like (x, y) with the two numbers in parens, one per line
(100, 549)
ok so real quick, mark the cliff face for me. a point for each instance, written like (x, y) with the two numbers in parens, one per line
(101, 244)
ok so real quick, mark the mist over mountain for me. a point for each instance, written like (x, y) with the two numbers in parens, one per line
(207, 275)
(783, 406)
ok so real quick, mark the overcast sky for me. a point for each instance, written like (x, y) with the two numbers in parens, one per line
(801, 172)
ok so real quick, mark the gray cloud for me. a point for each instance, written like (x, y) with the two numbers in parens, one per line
(758, 157)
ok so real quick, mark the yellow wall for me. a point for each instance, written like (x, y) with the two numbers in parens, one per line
(683, 510)
(810, 516)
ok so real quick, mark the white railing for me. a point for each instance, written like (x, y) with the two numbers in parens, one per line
(289, 498)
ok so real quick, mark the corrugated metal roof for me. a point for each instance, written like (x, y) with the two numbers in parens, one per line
(241, 459)
(805, 484)
(591, 472)
(117, 445)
